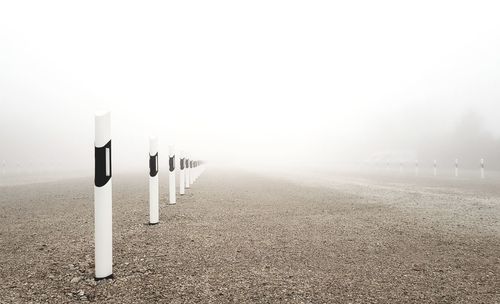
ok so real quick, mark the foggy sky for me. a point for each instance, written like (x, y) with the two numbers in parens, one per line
(252, 82)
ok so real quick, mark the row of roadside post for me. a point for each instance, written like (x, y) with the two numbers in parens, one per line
(435, 167)
(189, 171)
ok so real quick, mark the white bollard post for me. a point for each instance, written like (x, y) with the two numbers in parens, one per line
(191, 172)
(400, 167)
(103, 208)
(3, 168)
(182, 182)
(154, 183)
(456, 167)
(171, 177)
(435, 167)
(188, 172)
(482, 168)
(416, 167)
(195, 171)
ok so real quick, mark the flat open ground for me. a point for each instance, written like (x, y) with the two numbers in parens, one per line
(239, 237)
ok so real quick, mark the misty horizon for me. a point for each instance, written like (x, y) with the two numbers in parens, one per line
(327, 83)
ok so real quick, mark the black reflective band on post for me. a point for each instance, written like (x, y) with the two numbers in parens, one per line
(153, 169)
(100, 176)
(182, 163)
(187, 163)
(171, 163)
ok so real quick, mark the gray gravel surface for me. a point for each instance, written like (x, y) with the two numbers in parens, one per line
(239, 237)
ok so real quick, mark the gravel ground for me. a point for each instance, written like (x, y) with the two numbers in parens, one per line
(239, 237)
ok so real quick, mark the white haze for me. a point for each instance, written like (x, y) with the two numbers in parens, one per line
(243, 82)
